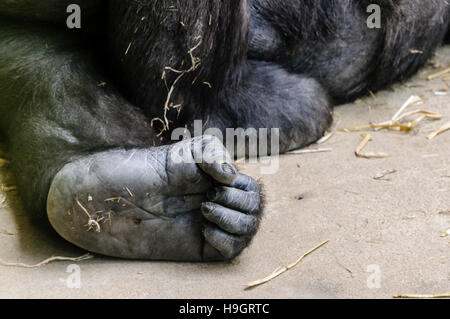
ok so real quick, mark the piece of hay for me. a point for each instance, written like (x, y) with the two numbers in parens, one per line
(426, 113)
(444, 295)
(439, 74)
(366, 139)
(447, 233)
(309, 151)
(441, 92)
(333, 129)
(92, 224)
(384, 173)
(280, 271)
(47, 261)
(196, 62)
(326, 137)
(128, 48)
(129, 191)
(356, 128)
(443, 129)
(413, 100)
(396, 124)
(5, 232)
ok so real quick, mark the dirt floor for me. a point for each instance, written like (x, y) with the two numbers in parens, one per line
(386, 236)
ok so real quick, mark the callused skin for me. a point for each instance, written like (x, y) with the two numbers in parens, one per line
(154, 203)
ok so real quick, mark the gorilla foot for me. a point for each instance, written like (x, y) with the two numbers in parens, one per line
(233, 214)
(164, 203)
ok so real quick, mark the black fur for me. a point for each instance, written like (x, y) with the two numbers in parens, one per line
(227, 90)
(54, 110)
(329, 40)
(75, 102)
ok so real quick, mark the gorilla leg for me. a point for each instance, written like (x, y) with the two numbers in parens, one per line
(55, 108)
(331, 41)
(196, 57)
(93, 160)
(413, 26)
(271, 97)
(447, 37)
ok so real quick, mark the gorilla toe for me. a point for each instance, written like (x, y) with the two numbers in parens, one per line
(233, 216)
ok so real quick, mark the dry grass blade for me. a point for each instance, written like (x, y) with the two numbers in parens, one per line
(47, 261)
(129, 191)
(413, 100)
(366, 139)
(443, 129)
(444, 295)
(309, 151)
(280, 271)
(356, 128)
(168, 105)
(92, 224)
(391, 126)
(328, 135)
(426, 113)
(396, 124)
(5, 232)
(439, 74)
(384, 173)
(441, 92)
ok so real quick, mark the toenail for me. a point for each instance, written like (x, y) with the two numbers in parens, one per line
(206, 207)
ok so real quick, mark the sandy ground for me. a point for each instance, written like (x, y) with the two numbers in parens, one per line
(385, 235)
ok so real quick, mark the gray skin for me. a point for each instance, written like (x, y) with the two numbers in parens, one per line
(161, 203)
